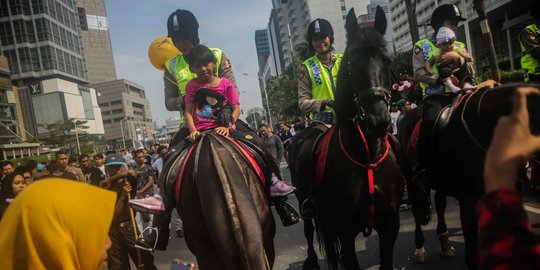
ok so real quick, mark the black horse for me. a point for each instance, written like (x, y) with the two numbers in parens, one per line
(358, 180)
(456, 155)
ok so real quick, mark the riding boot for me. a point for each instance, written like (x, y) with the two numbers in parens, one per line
(286, 211)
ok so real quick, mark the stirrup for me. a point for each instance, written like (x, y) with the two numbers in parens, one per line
(148, 231)
(309, 209)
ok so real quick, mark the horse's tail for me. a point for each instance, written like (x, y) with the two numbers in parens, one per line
(233, 204)
(328, 239)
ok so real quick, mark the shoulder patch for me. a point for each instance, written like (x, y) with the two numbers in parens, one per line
(228, 63)
(416, 50)
(533, 38)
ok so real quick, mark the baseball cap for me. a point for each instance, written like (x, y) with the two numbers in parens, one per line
(114, 159)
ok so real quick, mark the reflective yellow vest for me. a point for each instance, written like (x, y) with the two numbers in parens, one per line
(429, 49)
(322, 84)
(180, 69)
(529, 64)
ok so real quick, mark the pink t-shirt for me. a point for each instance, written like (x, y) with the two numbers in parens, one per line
(206, 118)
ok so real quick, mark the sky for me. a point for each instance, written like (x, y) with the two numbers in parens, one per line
(228, 25)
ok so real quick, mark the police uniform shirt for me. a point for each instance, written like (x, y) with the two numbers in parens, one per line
(305, 101)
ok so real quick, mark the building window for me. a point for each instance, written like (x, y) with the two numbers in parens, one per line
(116, 102)
(6, 35)
(60, 60)
(117, 111)
(34, 57)
(13, 62)
(105, 122)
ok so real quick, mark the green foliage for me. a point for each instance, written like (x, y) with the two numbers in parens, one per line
(507, 76)
(60, 132)
(283, 98)
(254, 117)
(402, 65)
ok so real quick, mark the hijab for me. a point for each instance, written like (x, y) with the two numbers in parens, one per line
(56, 224)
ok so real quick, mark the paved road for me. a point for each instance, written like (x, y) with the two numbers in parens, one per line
(291, 248)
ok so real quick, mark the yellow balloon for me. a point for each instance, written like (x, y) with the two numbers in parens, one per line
(160, 51)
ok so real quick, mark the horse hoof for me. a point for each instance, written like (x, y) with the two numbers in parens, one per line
(420, 255)
(311, 263)
(448, 253)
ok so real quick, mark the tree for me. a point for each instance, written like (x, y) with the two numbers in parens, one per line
(410, 6)
(283, 97)
(61, 132)
(480, 7)
(254, 117)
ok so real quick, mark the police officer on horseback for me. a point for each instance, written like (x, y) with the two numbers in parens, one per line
(183, 29)
(529, 40)
(316, 86)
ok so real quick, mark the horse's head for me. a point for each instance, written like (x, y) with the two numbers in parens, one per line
(364, 78)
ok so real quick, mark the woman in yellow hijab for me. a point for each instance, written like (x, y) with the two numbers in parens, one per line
(57, 224)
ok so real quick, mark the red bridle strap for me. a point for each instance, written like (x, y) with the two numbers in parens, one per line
(369, 167)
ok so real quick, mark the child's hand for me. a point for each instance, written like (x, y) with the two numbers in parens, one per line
(223, 131)
(193, 135)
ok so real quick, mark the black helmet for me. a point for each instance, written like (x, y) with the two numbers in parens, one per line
(443, 13)
(183, 23)
(535, 9)
(320, 27)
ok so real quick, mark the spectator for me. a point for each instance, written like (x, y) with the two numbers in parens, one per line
(46, 227)
(12, 185)
(158, 164)
(7, 168)
(26, 173)
(33, 165)
(145, 185)
(506, 239)
(92, 175)
(99, 159)
(64, 170)
(122, 232)
(394, 115)
(273, 143)
(404, 107)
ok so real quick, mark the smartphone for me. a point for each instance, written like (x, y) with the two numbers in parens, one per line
(178, 264)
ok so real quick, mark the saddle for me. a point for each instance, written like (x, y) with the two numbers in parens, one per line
(444, 117)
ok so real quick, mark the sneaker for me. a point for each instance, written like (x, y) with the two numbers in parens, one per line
(149, 205)
(148, 239)
(280, 188)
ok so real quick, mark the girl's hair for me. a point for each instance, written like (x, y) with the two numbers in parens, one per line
(200, 56)
(7, 191)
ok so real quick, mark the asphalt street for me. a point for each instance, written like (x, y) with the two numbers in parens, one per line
(290, 244)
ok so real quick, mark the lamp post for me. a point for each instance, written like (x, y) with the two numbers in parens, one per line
(122, 131)
(266, 97)
(77, 136)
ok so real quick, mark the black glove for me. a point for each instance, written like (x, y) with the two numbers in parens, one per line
(225, 116)
(330, 103)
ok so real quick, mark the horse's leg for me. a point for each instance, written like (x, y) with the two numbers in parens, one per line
(446, 249)
(388, 232)
(311, 261)
(420, 255)
(469, 224)
(348, 250)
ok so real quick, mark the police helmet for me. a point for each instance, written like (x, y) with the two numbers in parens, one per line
(320, 27)
(443, 13)
(184, 24)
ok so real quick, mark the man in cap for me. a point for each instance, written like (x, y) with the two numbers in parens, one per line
(123, 232)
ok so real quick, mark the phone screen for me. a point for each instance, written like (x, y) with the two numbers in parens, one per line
(182, 265)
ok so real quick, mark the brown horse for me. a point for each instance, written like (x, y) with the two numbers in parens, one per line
(360, 186)
(220, 195)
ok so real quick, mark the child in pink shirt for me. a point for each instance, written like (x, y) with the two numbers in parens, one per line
(207, 95)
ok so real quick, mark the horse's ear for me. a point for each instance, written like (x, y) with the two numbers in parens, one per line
(380, 20)
(351, 25)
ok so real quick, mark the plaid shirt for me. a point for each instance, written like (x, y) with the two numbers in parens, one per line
(506, 239)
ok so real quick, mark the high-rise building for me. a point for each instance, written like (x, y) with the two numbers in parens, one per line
(126, 112)
(369, 19)
(8, 112)
(288, 23)
(96, 42)
(41, 39)
(262, 46)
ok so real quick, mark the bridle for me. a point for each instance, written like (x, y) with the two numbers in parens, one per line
(362, 96)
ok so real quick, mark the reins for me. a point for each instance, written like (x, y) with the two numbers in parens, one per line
(466, 125)
(369, 167)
